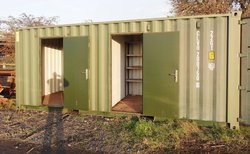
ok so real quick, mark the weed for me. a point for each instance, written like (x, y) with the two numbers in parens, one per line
(7, 103)
(246, 131)
(144, 128)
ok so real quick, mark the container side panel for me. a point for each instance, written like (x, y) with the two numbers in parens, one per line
(113, 28)
(193, 76)
(206, 74)
(57, 31)
(121, 28)
(183, 27)
(156, 26)
(75, 30)
(143, 27)
(168, 25)
(220, 49)
(94, 63)
(49, 32)
(132, 27)
(66, 31)
(26, 70)
(34, 70)
(84, 30)
(104, 41)
(41, 32)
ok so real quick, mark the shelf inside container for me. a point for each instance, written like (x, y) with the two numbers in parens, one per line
(134, 67)
(134, 80)
(134, 55)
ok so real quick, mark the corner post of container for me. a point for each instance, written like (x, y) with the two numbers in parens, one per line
(17, 56)
(233, 93)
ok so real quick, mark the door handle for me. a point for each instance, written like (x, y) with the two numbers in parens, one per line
(175, 75)
(86, 72)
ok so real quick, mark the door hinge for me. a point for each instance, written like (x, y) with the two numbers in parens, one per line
(242, 87)
(242, 22)
(242, 55)
(241, 120)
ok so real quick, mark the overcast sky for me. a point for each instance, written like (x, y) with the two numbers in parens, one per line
(77, 11)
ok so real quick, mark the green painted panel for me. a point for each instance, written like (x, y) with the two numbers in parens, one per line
(75, 66)
(160, 59)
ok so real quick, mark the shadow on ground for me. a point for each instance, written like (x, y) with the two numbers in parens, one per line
(54, 122)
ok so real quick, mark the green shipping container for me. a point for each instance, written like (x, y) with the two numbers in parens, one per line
(177, 67)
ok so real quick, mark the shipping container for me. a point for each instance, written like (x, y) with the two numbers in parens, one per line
(175, 67)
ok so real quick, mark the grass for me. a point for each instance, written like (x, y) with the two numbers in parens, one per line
(153, 134)
(172, 134)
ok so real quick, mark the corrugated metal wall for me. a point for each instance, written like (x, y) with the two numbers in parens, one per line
(202, 79)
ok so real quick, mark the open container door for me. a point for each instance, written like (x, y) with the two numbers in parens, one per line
(160, 74)
(76, 73)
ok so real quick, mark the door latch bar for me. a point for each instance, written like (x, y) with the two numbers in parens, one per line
(175, 75)
(86, 72)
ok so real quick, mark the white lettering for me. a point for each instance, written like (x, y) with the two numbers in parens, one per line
(211, 40)
(197, 76)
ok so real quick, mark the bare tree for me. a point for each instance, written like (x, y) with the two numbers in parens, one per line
(7, 32)
(200, 7)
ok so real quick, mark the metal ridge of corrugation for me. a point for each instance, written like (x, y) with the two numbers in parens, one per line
(206, 101)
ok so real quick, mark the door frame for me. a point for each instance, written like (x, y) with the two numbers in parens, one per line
(40, 62)
(110, 68)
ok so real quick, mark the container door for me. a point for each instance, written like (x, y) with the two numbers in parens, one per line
(245, 73)
(160, 74)
(76, 73)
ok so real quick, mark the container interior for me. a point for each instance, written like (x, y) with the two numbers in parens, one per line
(52, 72)
(127, 70)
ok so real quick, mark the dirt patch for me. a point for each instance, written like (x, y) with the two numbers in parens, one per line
(30, 131)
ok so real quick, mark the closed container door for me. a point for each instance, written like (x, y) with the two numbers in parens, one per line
(160, 74)
(76, 72)
(245, 73)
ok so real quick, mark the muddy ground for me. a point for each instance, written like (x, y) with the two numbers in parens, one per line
(31, 131)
